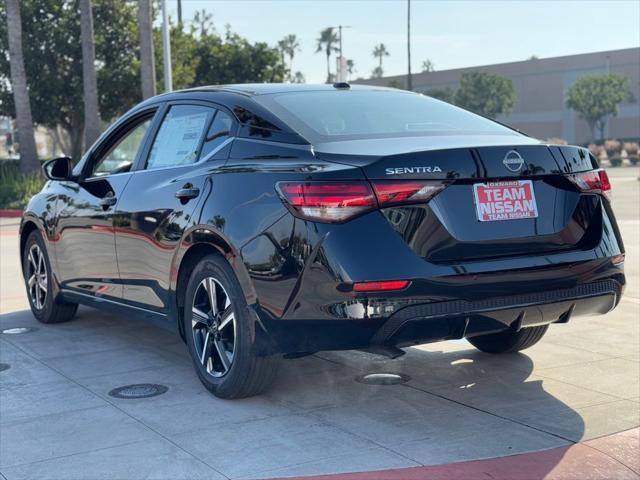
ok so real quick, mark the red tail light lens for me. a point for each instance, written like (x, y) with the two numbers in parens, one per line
(333, 202)
(595, 182)
(328, 201)
(394, 193)
(384, 286)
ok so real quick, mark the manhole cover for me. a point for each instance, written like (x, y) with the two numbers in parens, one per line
(383, 378)
(18, 330)
(3, 367)
(140, 390)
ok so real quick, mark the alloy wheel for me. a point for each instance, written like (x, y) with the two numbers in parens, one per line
(213, 324)
(37, 276)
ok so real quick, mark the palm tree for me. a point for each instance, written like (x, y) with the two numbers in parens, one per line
(282, 48)
(89, 82)
(147, 60)
(293, 46)
(379, 52)
(24, 122)
(202, 20)
(298, 77)
(351, 67)
(327, 42)
(428, 66)
(288, 46)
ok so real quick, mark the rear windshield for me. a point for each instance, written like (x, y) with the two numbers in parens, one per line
(322, 116)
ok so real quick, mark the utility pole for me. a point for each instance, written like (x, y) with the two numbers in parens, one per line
(409, 79)
(166, 47)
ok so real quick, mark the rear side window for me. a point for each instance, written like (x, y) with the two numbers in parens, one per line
(180, 136)
(219, 131)
(346, 115)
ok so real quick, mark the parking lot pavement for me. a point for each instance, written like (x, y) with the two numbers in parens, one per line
(57, 419)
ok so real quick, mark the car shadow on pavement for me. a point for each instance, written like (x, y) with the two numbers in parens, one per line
(457, 404)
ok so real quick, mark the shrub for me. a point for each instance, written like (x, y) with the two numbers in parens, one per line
(615, 161)
(595, 150)
(15, 188)
(632, 152)
(613, 148)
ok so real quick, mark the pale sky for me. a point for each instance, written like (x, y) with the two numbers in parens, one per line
(452, 34)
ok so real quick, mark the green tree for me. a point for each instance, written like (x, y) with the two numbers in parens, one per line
(184, 61)
(327, 42)
(486, 93)
(595, 97)
(233, 59)
(53, 63)
(446, 94)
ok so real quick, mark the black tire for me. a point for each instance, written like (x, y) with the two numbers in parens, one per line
(248, 374)
(509, 342)
(44, 306)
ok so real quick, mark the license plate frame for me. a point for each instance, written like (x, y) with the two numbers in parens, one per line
(505, 200)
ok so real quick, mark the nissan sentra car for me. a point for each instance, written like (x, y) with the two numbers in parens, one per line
(269, 221)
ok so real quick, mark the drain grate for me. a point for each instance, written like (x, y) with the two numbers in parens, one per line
(139, 390)
(18, 330)
(4, 366)
(383, 378)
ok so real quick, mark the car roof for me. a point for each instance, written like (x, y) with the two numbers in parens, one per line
(253, 89)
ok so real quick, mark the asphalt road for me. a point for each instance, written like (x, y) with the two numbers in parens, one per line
(58, 421)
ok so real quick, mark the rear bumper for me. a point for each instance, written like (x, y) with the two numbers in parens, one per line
(435, 321)
(461, 319)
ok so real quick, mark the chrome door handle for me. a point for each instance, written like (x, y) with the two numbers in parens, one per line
(187, 193)
(108, 201)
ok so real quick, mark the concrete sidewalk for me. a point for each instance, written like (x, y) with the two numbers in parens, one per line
(57, 419)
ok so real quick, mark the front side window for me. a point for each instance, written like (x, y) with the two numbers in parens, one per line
(180, 136)
(120, 157)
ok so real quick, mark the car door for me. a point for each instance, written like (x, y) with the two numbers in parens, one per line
(162, 195)
(84, 243)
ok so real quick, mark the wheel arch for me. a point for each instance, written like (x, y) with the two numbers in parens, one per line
(197, 243)
(28, 225)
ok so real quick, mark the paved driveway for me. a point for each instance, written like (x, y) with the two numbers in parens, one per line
(58, 421)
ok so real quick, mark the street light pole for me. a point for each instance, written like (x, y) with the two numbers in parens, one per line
(166, 47)
(340, 77)
(409, 79)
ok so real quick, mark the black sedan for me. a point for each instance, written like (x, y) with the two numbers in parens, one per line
(270, 221)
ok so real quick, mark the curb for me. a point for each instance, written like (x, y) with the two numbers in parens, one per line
(10, 213)
(603, 458)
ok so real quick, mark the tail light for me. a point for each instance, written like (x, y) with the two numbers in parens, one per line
(594, 182)
(335, 202)
(328, 201)
(395, 193)
(384, 286)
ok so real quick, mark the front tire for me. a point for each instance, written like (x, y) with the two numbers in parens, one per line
(219, 331)
(39, 283)
(509, 342)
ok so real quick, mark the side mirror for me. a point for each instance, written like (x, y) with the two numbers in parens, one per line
(58, 168)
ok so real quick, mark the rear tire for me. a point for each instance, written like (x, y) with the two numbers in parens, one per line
(509, 342)
(39, 283)
(219, 330)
